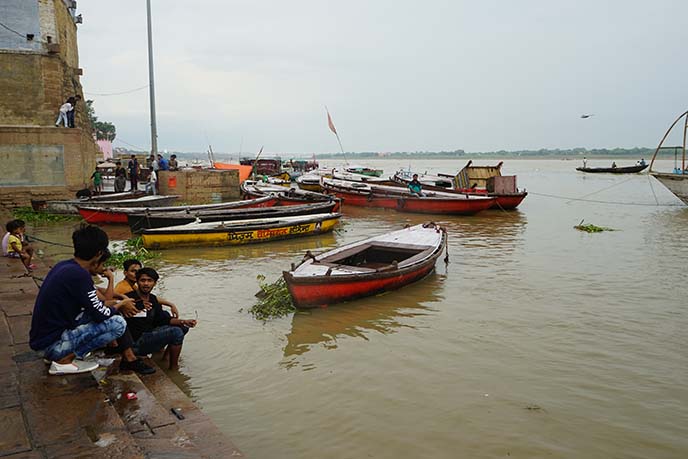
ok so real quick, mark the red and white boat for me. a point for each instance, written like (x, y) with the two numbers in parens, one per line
(398, 198)
(368, 267)
(96, 214)
(472, 180)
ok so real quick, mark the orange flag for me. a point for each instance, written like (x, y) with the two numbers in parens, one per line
(330, 123)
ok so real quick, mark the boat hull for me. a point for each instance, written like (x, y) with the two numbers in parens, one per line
(139, 222)
(676, 183)
(415, 205)
(613, 170)
(307, 294)
(236, 236)
(309, 289)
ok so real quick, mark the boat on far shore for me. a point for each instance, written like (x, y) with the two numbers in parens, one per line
(614, 170)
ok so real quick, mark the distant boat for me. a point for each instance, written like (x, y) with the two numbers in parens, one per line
(614, 170)
(367, 267)
(363, 170)
(676, 181)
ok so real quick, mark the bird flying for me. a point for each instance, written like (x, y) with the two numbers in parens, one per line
(585, 115)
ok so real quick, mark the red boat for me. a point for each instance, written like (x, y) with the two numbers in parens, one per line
(368, 267)
(473, 180)
(94, 214)
(400, 199)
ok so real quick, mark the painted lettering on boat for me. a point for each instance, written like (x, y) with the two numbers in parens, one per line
(268, 233)
(299, 229)
(242, 236)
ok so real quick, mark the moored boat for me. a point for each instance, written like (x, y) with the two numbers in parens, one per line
(291, 196)
(309, 182)
(400, 199)
(614, 170)
(238, 232)
(364, 170)
(70, 206)
(141, 221)
(368, 267)
(97, 214)
(677, 180)
(508, 198)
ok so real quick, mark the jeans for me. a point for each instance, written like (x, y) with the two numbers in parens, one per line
(62, 117)
(158, 338)
(70, 118)
(85, 338)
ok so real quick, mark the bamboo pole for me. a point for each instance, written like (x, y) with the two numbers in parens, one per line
(661, 142)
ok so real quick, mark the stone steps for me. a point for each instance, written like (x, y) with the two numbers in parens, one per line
(88, 415)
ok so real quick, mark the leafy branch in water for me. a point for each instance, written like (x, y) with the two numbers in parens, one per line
(274, 300)
(29, 215)
(131, 248)
(590, 228)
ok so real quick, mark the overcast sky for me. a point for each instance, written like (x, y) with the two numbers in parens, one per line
(396, 75)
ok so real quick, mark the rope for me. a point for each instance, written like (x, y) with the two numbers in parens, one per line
(604, 189)
(604, 202)
(116, 93)
(649, 180)
(29, 238)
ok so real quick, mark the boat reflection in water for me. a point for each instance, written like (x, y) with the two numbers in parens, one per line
(385, 314)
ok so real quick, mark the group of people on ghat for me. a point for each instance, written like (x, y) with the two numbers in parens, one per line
(72, 317)
(154, 164)
(14, 244)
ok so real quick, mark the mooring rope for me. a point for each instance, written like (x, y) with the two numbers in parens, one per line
(29, 238)
(567, 198)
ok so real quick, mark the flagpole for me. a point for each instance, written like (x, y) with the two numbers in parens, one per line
(151, 84)
(330, 123)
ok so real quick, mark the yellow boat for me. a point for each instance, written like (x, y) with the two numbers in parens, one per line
(239, 231)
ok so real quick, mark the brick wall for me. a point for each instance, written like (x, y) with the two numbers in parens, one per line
(201, 186)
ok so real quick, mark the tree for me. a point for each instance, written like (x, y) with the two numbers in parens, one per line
(104, 129)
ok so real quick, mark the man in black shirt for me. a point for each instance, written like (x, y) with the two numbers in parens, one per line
(153, 329)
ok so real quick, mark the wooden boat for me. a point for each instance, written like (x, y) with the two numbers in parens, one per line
(356, 177)
(363, 170)
(238, 232)
(70, 206)
(614, 170)
(374, 265)
(40, 205)
(141, 221)
(400, 199)
(309, 182)
(504, 200)
(292, 196)
(96, 214)
(677, 180)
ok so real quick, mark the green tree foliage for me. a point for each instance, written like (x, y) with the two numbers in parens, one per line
(104, 130)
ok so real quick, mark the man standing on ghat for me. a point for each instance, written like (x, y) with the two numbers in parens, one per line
(69, 321)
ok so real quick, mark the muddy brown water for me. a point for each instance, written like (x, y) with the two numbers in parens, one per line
(536, 340)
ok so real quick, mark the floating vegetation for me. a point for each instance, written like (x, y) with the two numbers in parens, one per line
(590, 228)
(274, 300)
(29, 215)
(131, 248)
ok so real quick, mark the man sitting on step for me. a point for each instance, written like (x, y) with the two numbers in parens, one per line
(69, 320)
(153, 329)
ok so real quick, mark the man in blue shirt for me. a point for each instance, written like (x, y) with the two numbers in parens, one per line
(69, 320)
(163, 163)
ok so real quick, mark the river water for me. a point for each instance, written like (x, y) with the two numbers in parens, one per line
(536, 340)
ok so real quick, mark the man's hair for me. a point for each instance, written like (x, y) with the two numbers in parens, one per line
(173, 156)
(133, 156)
(105, 256)
(132, 261)
(150, 272)
(20, 223)
(11, 226)
(88, 240)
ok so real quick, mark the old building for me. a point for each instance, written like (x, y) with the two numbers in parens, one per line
(39, 70)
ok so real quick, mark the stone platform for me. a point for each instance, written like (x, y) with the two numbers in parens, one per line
(87, 415)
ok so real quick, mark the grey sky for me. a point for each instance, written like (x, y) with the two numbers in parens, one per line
(396, 75)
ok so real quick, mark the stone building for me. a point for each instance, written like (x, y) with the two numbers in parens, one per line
(39, 70)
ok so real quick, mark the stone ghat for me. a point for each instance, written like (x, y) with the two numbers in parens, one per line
(87, 415)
